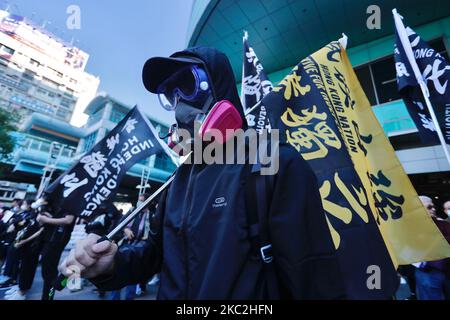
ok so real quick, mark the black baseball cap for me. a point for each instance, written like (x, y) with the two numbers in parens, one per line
(156, 70)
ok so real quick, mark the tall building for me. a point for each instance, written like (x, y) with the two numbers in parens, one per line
(283, 32)
(41, 73)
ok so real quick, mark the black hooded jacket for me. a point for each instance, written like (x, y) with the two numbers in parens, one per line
(203, 250)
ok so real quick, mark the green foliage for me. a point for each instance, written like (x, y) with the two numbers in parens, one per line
(8, 121)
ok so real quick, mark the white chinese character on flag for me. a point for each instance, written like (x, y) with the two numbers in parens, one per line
(130, 125)
(71, 183)
(93, 163)
(112, 142)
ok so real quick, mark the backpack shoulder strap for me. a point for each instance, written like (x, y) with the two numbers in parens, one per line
(258, 195)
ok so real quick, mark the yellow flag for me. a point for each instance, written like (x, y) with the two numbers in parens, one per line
(407, 229)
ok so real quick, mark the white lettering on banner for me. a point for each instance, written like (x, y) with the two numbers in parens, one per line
(252, 58)
(117, 162)
(94, 163)
(112, 142)
(416, 40)
(423, 52)
(401, 69)
(129, 142)
(447, 121)
(419, 104)
(252, 86)
(426, 122)
(107, 182)
(71, 182)
(435, 74)
(130, 125)
(250, 120)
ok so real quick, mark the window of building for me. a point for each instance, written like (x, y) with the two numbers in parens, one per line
(378, 78)
(13, 76)
(34, 62)
(365, 78)
(51, 83)
(62, 113)
(385, 79)
(3, 62)
(41, 91)
(55, 72)
(17, 66)
(6, 49)
(66, 103)
(89, 141)
(116, 116)
(29, 75)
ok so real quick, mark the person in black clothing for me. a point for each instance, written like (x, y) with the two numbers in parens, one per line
(202, 241)
(14, 225)
(49, 244)
(107, 217)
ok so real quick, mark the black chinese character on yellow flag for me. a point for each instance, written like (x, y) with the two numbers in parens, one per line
(348, 102)
(386, 203)
(361, 139)
(311, 138)
(292, 85)
(356, 203)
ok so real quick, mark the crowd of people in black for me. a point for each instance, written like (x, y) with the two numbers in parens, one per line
(37, 233)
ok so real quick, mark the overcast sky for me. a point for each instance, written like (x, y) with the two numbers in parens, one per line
(119, 36)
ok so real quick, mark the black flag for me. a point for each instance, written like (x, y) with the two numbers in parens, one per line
(435, 72)
(95, 178)
(255, 86)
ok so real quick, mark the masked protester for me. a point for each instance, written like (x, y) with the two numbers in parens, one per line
(205, 242)
(48, 242)
(14, 225)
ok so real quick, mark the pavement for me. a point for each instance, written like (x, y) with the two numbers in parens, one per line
(87, 293)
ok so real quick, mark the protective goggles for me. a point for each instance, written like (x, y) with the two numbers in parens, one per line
(189, 83)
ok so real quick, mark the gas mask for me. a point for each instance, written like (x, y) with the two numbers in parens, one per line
(190, 94)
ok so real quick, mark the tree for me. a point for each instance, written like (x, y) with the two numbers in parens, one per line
(7, 125)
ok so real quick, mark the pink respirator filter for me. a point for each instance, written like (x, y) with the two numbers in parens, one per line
(222, 116)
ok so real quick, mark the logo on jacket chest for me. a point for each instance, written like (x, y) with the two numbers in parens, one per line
(219, 202)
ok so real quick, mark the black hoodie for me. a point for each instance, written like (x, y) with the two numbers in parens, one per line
(203, 250)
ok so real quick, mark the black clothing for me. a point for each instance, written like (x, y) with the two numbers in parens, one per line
(201, 242)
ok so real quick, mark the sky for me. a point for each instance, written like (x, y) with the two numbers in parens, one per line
(119, 36)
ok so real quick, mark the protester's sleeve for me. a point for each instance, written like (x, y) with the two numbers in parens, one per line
(304, 255)
(137, 262)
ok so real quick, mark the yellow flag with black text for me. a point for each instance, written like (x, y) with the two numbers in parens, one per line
(373, 212)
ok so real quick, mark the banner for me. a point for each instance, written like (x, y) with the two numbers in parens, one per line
(95, 178)
(435, 71)
(322, 111)
(255, 86)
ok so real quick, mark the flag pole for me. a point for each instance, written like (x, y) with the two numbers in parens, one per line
(412, 61)
(242, 98)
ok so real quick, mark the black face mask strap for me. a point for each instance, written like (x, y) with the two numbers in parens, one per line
(209, 101)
